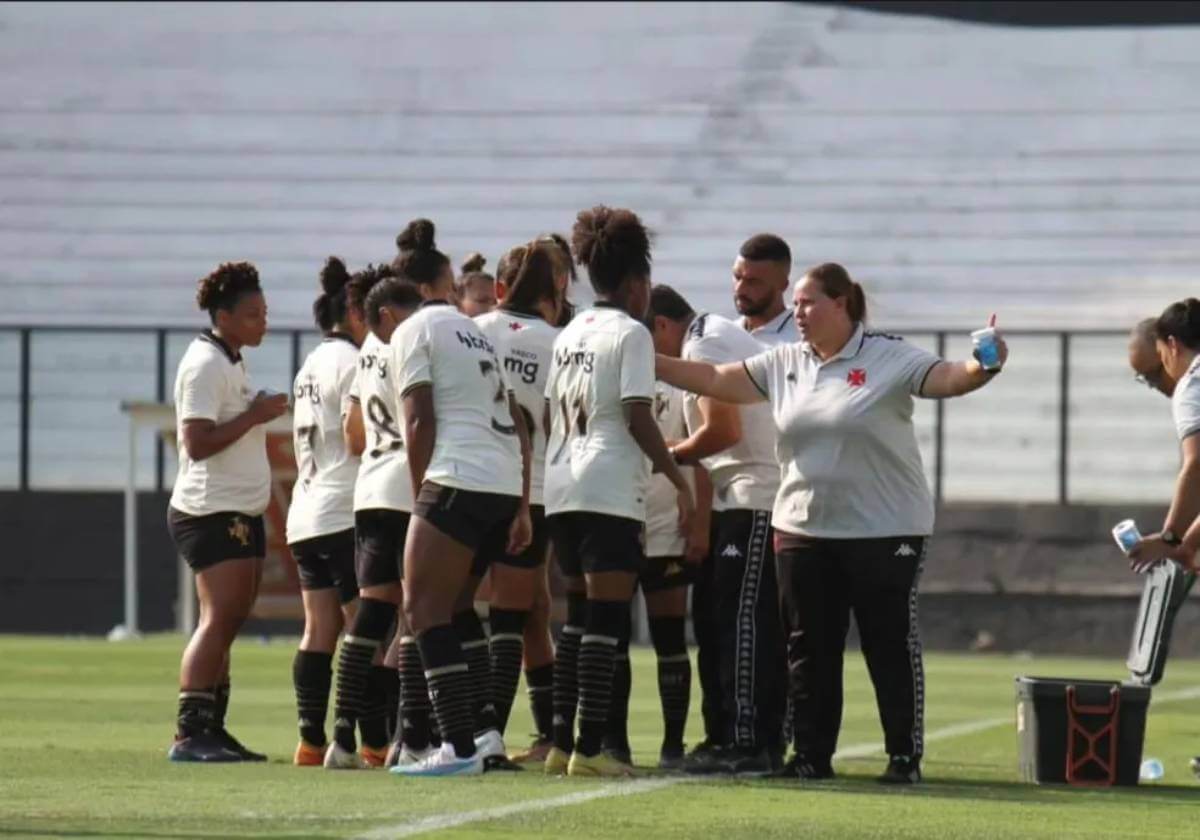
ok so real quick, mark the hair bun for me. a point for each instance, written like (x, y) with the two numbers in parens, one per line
(418, 236)
(474, 262)
(334, 276)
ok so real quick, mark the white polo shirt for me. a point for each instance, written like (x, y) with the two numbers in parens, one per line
(851, 466)
(603, 359)
(663, 538)
(781, 329)
(383, 480)
(525, 345)
(477, 447)
(212, 384)
(323, 495)
(1185, 402)
(746, 475)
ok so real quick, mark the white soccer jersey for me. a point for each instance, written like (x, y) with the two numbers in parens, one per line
(781, 329)
(212, 384)
(746, 475)
(603, 359)
(525, 346)
(1185, 402)
(851, 464)
(663, 538)
(477, 446)
(383, 479)
(323, 495)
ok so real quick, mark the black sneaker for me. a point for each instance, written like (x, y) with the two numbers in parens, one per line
(801, 767)
(671, 758)
(234, 745)
(744, 761)
(901, 770)
(202, 747)
(706, 758)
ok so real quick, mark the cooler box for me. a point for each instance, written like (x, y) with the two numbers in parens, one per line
(1080, 732)
(1089, 732)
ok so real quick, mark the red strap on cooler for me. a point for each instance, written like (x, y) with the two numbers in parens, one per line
(1106, 764)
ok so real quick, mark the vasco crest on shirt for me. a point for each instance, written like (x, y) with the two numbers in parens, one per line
(857, 377)
(240, 531)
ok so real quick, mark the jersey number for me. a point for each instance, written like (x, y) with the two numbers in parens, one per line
(387, 433)
(488, 368)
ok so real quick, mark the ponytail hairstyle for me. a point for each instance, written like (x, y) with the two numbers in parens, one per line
(613, 244)
(225, 287)
(836, 283)
(329, 309)
(471, 271)
(528, 273)
(419, 260)
(1180, 321)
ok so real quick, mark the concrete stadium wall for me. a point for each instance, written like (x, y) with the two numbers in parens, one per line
(1004, 578)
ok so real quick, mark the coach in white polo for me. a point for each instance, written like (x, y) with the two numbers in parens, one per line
(853, 510)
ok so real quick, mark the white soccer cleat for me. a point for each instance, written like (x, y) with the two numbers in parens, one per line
(443, 762)
(337, 758)
(490, 745)
(409, 757)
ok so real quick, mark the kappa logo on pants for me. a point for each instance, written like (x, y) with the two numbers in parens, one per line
(731, 550)
(905, 550)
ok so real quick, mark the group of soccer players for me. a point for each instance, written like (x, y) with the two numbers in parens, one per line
(434, 448)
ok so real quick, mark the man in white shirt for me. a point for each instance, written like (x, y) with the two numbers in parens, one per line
(736, 606)
(760, 280)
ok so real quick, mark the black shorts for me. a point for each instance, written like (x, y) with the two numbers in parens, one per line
(532, 557)
(586, 543)
(379, 535)
(662, 573)
(327, 562)
(480, 521)
(204, 541)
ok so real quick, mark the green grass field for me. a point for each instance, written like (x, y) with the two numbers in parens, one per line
(84, 727)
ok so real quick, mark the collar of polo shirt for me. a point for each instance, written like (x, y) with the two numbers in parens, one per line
(849, 349)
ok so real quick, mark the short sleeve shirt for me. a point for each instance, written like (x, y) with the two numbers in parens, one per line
(476, 446)
(323, 495)
(746, 475)
(1185, 402)
(781, 329)
(851, 466)
(603, 360)
(525, 346)
(383, 481)
(212, 384)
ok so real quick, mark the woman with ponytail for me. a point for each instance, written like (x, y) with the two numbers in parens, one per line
(853, 512)
(320, 522)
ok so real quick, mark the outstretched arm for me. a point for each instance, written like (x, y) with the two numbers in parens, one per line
(729, 382)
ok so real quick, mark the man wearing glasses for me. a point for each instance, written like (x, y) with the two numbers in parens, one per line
(1144, 359)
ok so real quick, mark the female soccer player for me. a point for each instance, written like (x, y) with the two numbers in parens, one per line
(382, 503)
(853, 511)
(221, 491)
(475, 291)
(320, 522)
(521, 331)
(468, 457)
(672, 564)
(600, 397)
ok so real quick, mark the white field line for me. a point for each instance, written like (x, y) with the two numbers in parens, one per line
(437, 822)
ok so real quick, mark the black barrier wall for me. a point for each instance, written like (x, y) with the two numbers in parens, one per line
(1042, 578)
